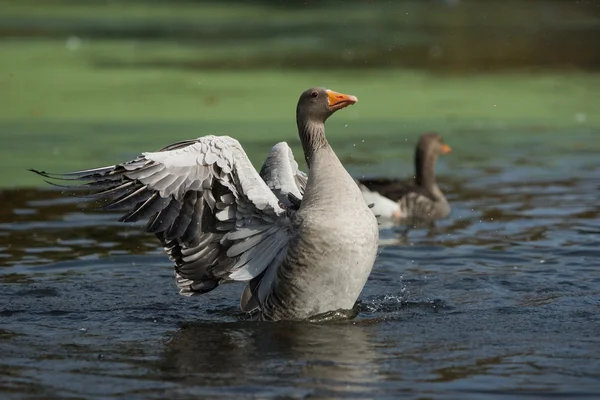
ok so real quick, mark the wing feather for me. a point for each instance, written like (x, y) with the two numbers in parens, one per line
(213, 213)
(280, 172)
(152, 205)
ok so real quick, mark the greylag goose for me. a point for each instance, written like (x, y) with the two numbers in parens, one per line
(420, 201)
(219, 221)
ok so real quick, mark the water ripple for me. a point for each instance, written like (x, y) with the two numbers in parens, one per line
(501, 299)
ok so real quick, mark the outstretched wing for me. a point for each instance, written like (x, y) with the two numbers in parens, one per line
(203, 199)
(281, 173)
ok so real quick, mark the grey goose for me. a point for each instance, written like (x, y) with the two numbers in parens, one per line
(218, 220)
(419, 201)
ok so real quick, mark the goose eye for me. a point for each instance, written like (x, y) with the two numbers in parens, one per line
(314, 94)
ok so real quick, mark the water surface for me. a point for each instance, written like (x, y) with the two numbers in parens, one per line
(501, 300)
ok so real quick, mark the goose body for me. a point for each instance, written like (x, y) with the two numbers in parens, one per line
(219, 220)
(419, 201)
(281, 173)
(324, 235)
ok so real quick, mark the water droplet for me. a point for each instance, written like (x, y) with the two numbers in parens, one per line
(580, 118)
(73, 43)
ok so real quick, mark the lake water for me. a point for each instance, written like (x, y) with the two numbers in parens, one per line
(501, 300)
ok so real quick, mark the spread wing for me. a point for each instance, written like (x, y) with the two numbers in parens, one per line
(281, 174)
(212, 212)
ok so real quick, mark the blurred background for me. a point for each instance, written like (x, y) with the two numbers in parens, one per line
(90, 82)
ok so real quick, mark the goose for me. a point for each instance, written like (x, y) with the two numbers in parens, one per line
(420, 201)
(218, 221)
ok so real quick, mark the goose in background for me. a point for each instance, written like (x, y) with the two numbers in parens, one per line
(419, 201)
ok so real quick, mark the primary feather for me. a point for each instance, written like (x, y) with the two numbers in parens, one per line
(215, 216)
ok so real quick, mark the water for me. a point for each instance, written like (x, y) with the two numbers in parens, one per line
(501, 300)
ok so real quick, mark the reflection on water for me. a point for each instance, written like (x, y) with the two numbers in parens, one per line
(501, 299)
(327, 358)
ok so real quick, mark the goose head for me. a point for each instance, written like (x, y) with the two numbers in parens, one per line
(317, 104)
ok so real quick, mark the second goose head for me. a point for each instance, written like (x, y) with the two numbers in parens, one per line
(428, 149)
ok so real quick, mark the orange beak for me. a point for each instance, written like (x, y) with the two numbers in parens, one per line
(339, 100)
(446, 149)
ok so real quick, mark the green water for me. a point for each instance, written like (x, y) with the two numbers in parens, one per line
(90, 83)
(61, 112)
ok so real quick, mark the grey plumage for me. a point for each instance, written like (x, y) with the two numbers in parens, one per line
(420, 200)
(219, 220)
(216, 218)
(281, 173)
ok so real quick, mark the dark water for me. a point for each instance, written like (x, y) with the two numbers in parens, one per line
(502, 300)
